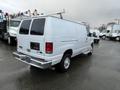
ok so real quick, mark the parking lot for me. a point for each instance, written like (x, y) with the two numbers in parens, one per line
(98, 72)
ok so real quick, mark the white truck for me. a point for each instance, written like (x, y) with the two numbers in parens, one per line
(115, 32)
(105, 34)
(12, 30)
(95, 34)
(49, 41)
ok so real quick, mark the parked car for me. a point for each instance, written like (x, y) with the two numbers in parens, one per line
(49, 41)
(96, 35)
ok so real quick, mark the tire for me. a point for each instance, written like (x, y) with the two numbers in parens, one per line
(98, 41)
(65, 63)
(10, 40)
(104, 37)
(117, 39)
(3, 36)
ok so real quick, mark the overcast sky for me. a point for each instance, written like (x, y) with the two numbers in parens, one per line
(95, 12)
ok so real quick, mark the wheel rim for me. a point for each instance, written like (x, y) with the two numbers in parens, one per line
(117, 38)
(66, 63)
(103, 37)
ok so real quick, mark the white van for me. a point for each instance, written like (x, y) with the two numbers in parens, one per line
(95, 34)
(115, 32)
(49, 41)
(105, 34)
(12, 30)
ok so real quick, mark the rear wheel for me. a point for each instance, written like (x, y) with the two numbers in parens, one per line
(65, 63)
(98, 41)
(104, 37)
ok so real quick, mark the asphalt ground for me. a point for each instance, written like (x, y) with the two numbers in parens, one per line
(101, 71)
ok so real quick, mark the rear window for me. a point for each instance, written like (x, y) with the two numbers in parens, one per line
(38, 27)
(14, 23)
(24, 29)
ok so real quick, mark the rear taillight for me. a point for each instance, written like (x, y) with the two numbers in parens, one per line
(49, 47)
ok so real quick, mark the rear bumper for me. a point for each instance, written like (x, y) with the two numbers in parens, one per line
(37, 62)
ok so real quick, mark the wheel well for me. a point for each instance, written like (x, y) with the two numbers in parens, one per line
(92, 45)
(68, 52)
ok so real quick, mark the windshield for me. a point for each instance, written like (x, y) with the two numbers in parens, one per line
(14, 23)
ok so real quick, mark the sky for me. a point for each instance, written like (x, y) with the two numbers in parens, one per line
(95, 12)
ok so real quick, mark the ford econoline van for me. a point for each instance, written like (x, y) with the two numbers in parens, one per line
(49, 41)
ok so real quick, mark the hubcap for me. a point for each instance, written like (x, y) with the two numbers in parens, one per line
(103, 37)
(67, 63)
(117, 38)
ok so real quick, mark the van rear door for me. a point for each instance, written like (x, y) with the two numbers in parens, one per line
(23, 37)
(32, 42)
(36, 42)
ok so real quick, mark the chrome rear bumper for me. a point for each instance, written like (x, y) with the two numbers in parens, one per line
(37, 62)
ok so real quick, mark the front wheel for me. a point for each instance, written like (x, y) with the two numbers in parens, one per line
(65, 63)
(104, 37)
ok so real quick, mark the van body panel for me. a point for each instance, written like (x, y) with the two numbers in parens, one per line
(64, 35)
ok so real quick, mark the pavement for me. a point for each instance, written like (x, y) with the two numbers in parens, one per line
(101, 71)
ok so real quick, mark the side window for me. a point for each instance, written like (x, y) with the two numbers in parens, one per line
(38, 27)
(108, 31)
(24, 29)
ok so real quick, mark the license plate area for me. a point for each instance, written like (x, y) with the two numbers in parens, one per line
(34, 45)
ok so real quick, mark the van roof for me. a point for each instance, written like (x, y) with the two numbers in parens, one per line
(46, 16)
